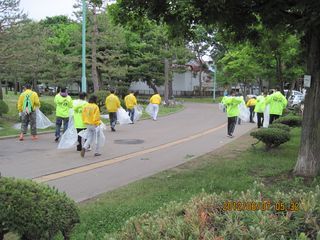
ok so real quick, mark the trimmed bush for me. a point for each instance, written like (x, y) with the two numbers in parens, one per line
(290, 120)
(231, 215)
(46, 108)
(280, 126)
(272, 137)
(3, 107)
(102, 95)
(35, 211)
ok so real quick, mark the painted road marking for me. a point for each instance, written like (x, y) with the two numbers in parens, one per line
(92, 166)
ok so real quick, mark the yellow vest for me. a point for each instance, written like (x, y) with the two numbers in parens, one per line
(91, 114)
(130, 101)
(155, 99)
(112, 103)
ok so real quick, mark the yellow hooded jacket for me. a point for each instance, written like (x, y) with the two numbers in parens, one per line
(33, 97)
(130, 101)
(91, 114)
(155, 99)
(112, 103)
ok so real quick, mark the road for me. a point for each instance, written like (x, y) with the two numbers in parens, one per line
(131, 153)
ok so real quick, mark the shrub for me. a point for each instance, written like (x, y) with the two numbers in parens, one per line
(35, 211)
(280, 126)
(46, 108)
(102, 95)
(290, 120)
(231, 215)
(3, 107)
(272, 137)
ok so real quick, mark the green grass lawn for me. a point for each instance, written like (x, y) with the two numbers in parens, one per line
(234, 167)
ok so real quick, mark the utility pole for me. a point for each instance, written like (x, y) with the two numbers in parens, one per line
(83, 79)
(214, 81)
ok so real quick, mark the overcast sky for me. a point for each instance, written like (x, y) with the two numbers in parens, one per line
(40, 9)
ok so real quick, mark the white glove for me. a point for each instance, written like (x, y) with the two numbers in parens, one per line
(20, 114)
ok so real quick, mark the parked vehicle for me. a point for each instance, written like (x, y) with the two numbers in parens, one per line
(295, 100)
(293, 93)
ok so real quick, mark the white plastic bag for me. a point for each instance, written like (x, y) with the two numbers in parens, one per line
(137, 112)
(255, 117)
(83, 134)
(42, 121)
(69, 137)
(100, 135)
(244, 113)
(149, 109)
(17, 126)
(123, 117)
(266, 116)
(222, 108)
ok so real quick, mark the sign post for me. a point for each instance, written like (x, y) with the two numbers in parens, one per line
(83, 79)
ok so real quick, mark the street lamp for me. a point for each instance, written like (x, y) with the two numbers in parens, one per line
(83, 79)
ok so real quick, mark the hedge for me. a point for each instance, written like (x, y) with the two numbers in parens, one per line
(231, 215)
(46, 108)
(280, 126)
(290, 120)
(3, 107)
(35, 211)
(272, 137)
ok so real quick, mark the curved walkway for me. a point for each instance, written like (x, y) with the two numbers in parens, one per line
(133, 152)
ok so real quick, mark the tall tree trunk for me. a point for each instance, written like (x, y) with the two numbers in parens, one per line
(279, 70)
(166, 82)
(95, 79)
(308, 164)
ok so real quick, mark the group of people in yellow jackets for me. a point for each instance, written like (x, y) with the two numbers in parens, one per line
(86, 114)
(276, 101)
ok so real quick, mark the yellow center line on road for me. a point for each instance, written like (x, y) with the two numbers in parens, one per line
(92, 166)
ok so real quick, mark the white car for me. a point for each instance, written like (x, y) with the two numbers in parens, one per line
(295, 100)
(293, 93)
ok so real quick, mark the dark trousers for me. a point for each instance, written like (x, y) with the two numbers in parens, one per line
(113, 119)
(251, 109)
(131, 114)
(273, 117)
(79, 146)
(260, 119)
(231, 124)
(59, 122)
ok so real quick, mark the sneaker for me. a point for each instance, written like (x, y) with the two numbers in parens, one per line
(97, 154)
(230, 136)
(34, 137)
(21, 137)
(56, 139)
(89, 149)
(112, 129)
(82, 153)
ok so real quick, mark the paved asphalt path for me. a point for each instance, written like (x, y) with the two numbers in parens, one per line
(132, 152)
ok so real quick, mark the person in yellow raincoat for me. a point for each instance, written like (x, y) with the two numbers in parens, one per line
(155, 101)
(112, 104)
(27, 103)
(130, 101)
(91, 117)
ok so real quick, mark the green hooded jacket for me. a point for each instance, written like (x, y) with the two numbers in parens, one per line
(232, 104)
(63, 105)
(277, 103)
(77, 113)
